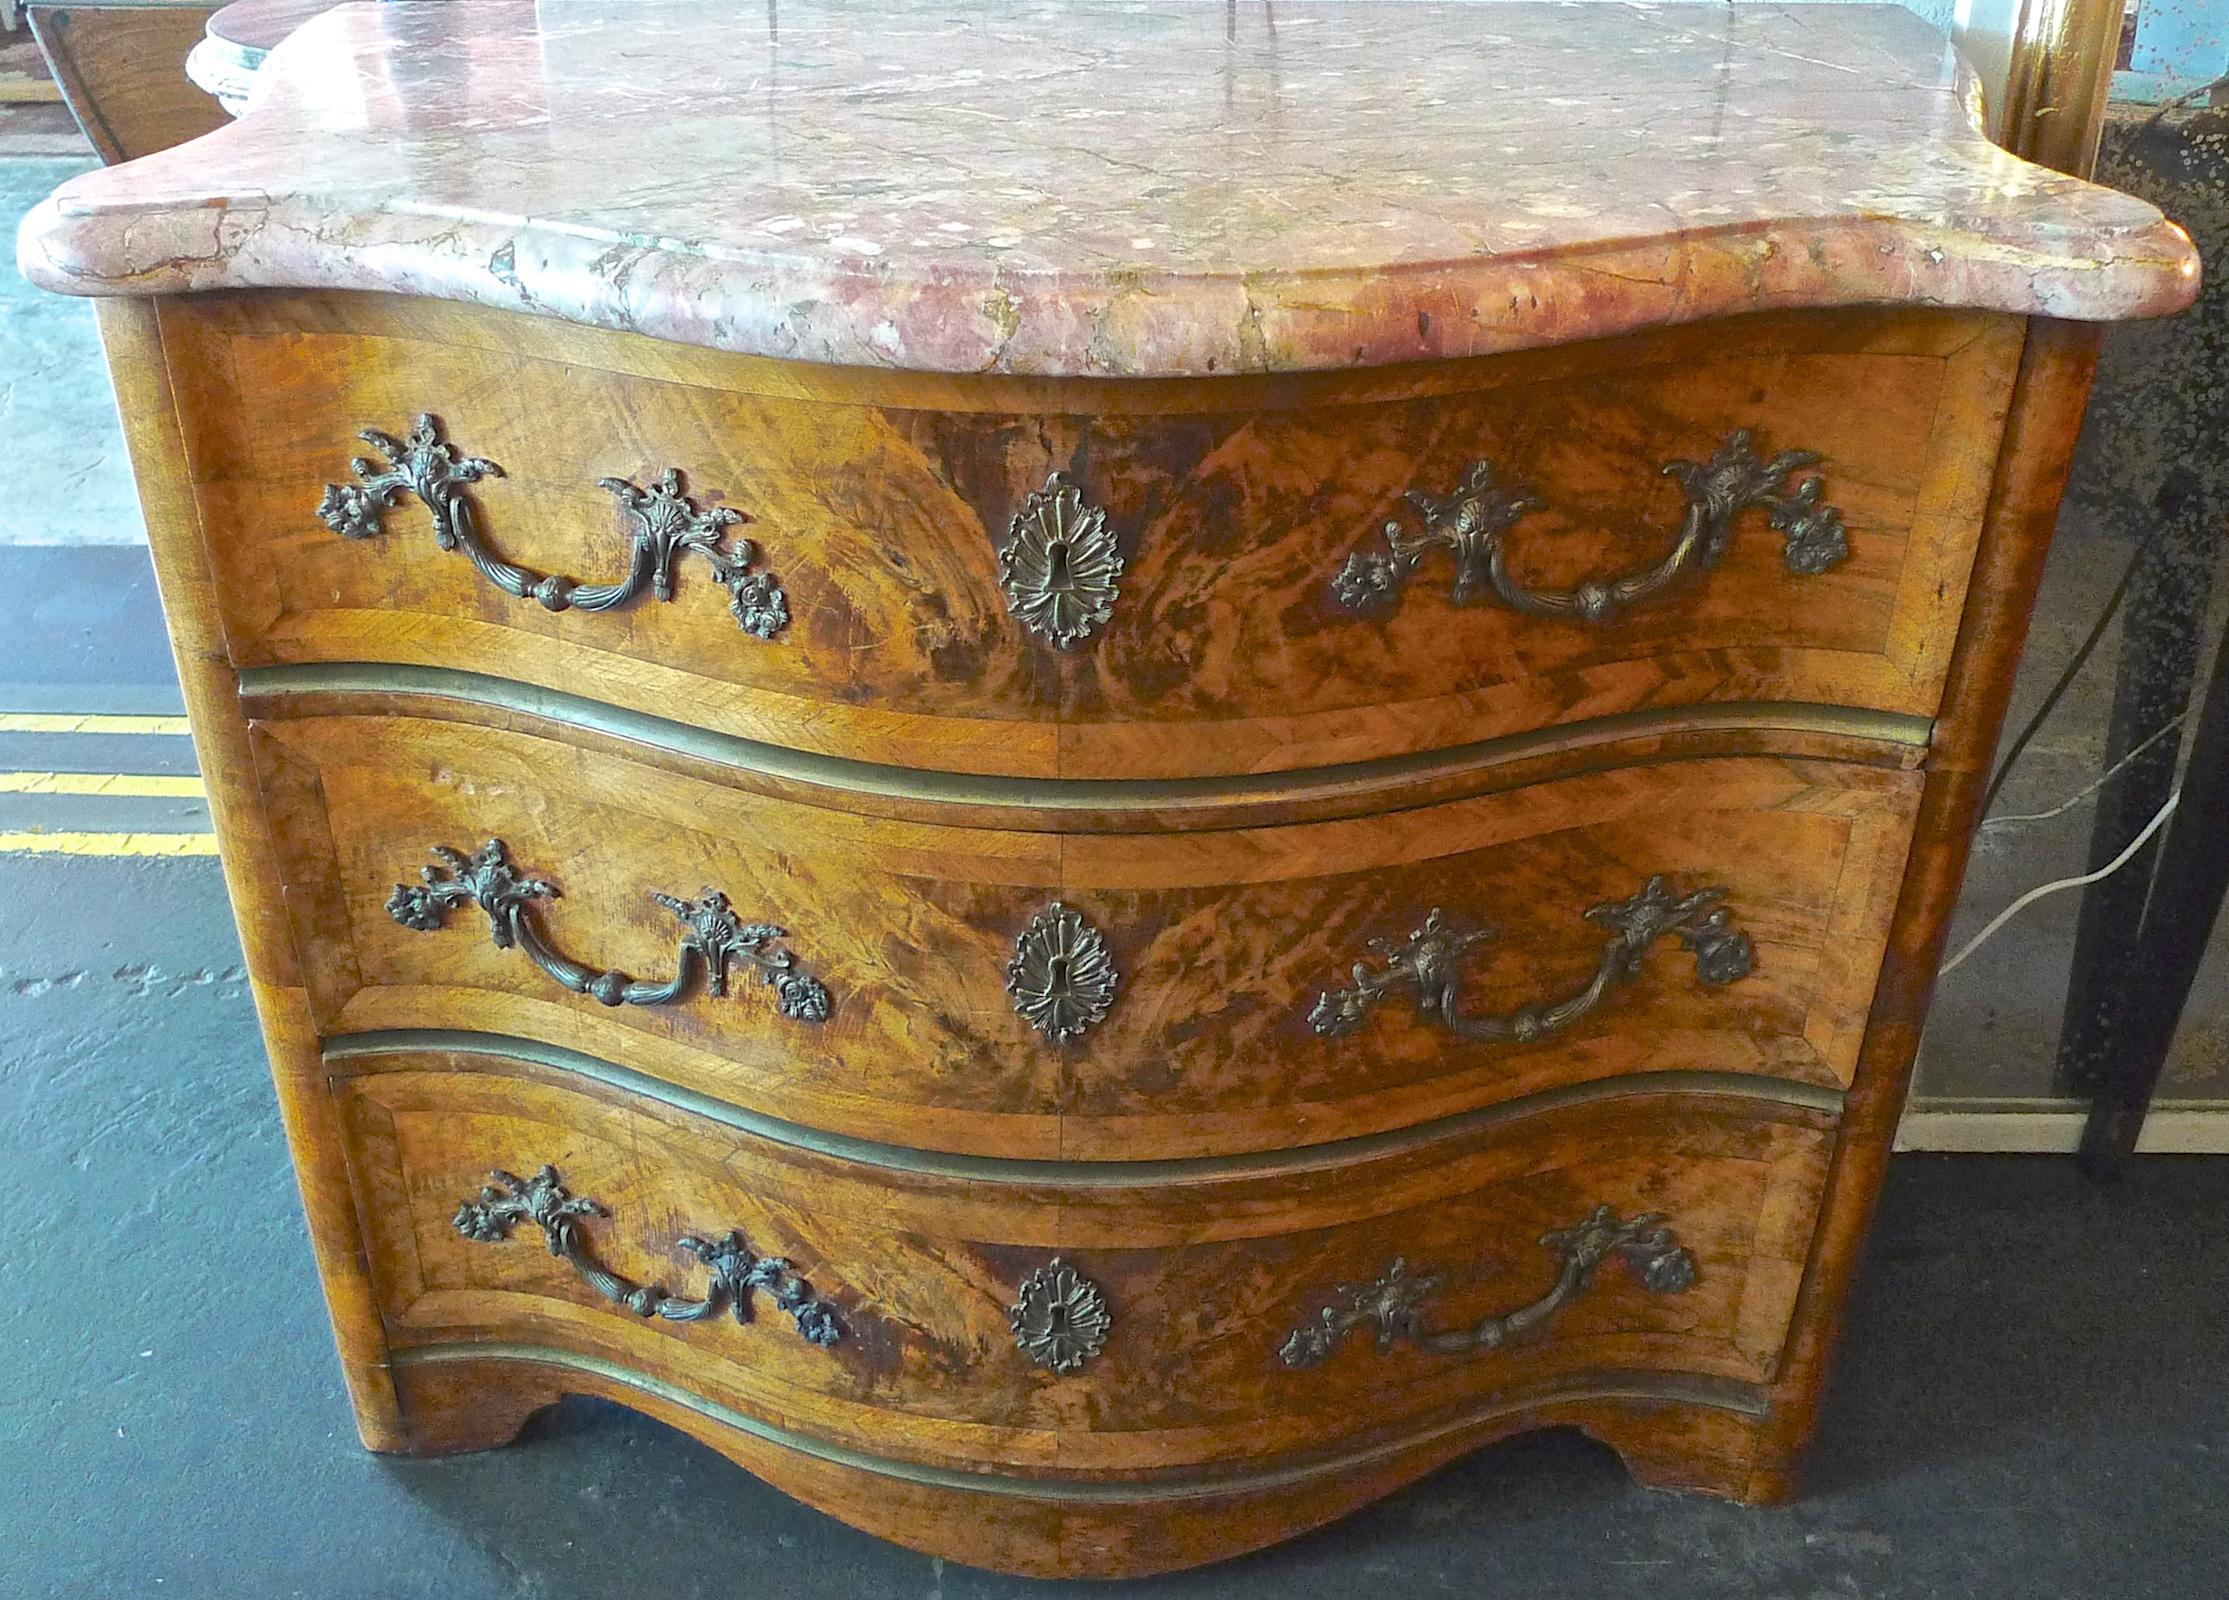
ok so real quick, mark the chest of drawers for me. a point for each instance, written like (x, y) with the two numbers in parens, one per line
(1088, 813)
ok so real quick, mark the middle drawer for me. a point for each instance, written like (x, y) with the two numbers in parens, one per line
(1088, 996)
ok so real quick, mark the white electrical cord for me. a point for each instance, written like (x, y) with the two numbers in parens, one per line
(2092, 787)
(2159, 820)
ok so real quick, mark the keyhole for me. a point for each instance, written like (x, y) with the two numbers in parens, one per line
(1057, 978)
(1057, 575)
(1056, 1319)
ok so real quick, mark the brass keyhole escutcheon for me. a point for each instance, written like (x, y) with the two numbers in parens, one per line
(1059, 1317)
(1060, 566)
(1062, 976)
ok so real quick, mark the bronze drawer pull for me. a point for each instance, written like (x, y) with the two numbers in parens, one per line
(1395, 1301)
(666, 524)
(711, 934)
(736, 1271)
(1426, 962)
(1473, 524)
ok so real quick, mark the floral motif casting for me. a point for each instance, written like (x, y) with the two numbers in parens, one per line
(1393, 1303)
(737, 1271)
(1428, 961)
(1062, 977)
(712, 935)
(1473, 524)
(665, 524)
(1059, 1317)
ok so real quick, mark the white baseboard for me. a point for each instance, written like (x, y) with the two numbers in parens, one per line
(2054, 1127)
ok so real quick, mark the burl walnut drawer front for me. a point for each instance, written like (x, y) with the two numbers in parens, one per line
(1089, 995)
(1057, 1316)
(1095, 579)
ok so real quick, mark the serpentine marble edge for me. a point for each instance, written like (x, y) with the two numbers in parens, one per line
(1167, 187)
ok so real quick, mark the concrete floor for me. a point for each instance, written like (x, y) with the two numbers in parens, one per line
(68, 481)
(2030, 1400)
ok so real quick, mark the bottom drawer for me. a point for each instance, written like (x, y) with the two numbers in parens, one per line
(1078, 1319)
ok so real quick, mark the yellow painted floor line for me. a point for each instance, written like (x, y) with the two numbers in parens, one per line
(114, 785)
(108, 844)
(81, 722)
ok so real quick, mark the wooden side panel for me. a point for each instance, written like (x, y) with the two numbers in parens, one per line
(122, 72)
(1223, 940)
(1203, 1279)
(2056, 369)
(132, 339)
(880, 508)
(474, 1399)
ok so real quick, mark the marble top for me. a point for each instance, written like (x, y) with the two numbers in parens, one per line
(1166, 187)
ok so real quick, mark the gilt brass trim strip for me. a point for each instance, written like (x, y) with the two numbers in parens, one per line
(1073, 1174)
(1716, 1395)
(849, 776)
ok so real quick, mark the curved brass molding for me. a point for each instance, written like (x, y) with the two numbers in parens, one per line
(1473, 524)
(1350, 783)
(1428, 963)
(711, 934)
(737, 1271)
(1393, 1303)
(1712, 1394)
(665, 524)
(1767, 1094)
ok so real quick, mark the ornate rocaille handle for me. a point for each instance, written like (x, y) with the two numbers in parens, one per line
(665, 524)
(736, 1271)
(711, 934)
(1473, 524)
(1426, 962)
(1395, 1301)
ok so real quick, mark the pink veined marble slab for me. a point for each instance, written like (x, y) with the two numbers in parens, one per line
(1172, 187)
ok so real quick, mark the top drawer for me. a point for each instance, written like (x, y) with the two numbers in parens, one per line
(1240, 575)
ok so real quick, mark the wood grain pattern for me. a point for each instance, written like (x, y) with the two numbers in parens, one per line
(2055, 374)
(132, 339)
(1204, 1276)
(1223, 939)
(122, 72)
(880, 510)
(1665, 1438)
(1195, 1150)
